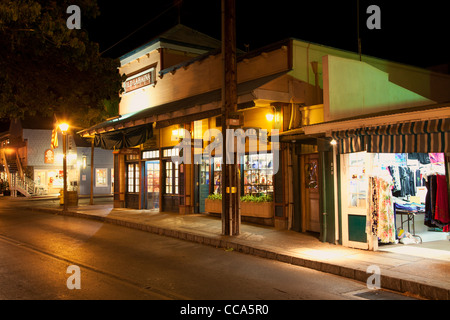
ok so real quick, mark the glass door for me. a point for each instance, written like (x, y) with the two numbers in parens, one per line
(152, 175)
(356, 168)
(203, 182)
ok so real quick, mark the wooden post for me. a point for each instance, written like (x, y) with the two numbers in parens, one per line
(91, 202)
(230, 180)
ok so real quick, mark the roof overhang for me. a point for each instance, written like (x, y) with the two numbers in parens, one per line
(422, 113)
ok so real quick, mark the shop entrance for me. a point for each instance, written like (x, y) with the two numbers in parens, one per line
(170, 191)
(201, 184)
(354, 199)
(152, 184)
(311, 193)
(389, 200)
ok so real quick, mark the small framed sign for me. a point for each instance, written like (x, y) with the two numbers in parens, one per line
(49, 156)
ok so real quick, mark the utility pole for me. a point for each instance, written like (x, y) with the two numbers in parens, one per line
(65, 170)
(91, 201)
(231, 218)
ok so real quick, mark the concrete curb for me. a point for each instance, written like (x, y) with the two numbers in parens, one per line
(389, 280)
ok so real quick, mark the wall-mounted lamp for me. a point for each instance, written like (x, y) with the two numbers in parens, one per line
(270, 116)
(273, 115)
(333, 142)
(83, 162)
(177, 134)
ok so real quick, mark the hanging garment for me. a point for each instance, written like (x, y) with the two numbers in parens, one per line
(441, 209)
(418, 179)
(396, 178)
(430, 203)
(386, 221)
(422, 157)
(406, 186)
(436, 157)
(381, 210)
(412, 182)
(373, 206)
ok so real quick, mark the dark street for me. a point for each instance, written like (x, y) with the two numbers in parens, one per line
(120, 263)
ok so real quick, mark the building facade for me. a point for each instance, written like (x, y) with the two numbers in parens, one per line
(33, 168)
(173, 87)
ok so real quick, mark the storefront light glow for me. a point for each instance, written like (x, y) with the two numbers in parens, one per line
(269, 117)
(333, 142)
(177, 134)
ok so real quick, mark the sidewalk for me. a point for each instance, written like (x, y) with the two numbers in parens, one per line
(425, 276)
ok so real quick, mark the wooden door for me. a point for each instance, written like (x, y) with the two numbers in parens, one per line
(170, 190)
(311, 193)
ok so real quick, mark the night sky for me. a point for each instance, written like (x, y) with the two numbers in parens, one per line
(414, 33)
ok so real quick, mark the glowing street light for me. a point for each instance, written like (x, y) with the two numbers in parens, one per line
(63, 127)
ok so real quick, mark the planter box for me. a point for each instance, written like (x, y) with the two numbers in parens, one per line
(249, 209)
(213, 206)
(257, 209)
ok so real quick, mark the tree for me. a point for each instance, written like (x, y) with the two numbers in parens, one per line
(47, 68)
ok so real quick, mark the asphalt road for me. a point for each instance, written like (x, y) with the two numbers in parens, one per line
(36, 250)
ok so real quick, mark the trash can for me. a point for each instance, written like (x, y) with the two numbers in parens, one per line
(72, 198)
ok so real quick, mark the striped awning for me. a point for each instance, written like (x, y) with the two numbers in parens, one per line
(431, 136)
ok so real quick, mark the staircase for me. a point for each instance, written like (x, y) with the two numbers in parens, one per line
(17, 180)
(25, 186)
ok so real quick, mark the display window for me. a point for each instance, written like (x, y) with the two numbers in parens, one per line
(258, 174)
(101, 177)
(217, 169)
(55, 178)
(357, 181)
(133, 178)
(171, 174)
(257, 177)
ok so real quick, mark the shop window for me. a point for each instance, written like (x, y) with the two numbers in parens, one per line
(153, 154)
(357, 180)
(171, 152)
(101, 177)
(133, 177)
(258, 174)
(217, 168)
(131, 157)
(171, 182)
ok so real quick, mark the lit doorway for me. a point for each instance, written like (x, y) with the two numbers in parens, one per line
(152, 184)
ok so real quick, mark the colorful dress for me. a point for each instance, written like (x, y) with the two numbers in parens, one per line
(381, 210)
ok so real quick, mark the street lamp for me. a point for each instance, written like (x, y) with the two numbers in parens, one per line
(64, 127)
